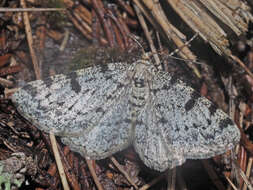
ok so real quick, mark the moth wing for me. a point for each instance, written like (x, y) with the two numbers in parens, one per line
(72, 103)
(111, 134)
(179, 124)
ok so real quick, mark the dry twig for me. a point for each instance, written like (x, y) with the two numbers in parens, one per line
(148, 36)
(248, 171)
(58, 162)
(93, 174)
(231, 183)
(65, 40)
(242, 65)
(244, 177)
(30, 41)
(115, 162)
(30, 9)
(157, 16)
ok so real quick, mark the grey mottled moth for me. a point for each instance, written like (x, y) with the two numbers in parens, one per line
(105, 108)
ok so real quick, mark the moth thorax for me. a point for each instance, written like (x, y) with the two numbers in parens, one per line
(139, 87)
(138, 97)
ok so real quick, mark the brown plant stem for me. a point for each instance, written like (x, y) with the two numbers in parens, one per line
(30, 42)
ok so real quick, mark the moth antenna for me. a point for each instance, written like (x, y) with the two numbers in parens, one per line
(137, 42)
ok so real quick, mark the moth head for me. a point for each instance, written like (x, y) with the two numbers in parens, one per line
(143, 71)
(146, 56)
(145, 66)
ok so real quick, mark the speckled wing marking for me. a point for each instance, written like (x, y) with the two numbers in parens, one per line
(85, 107)
(103, 109)
(179, 124)
(112, 133)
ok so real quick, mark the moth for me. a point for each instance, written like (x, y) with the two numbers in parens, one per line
(103, 109)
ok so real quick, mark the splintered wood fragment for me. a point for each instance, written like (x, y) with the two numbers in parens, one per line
(30, 41)
(115, 162)
(58, 162)
(199, 20)
(155, 24)
(240, 9)
(226, 15)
